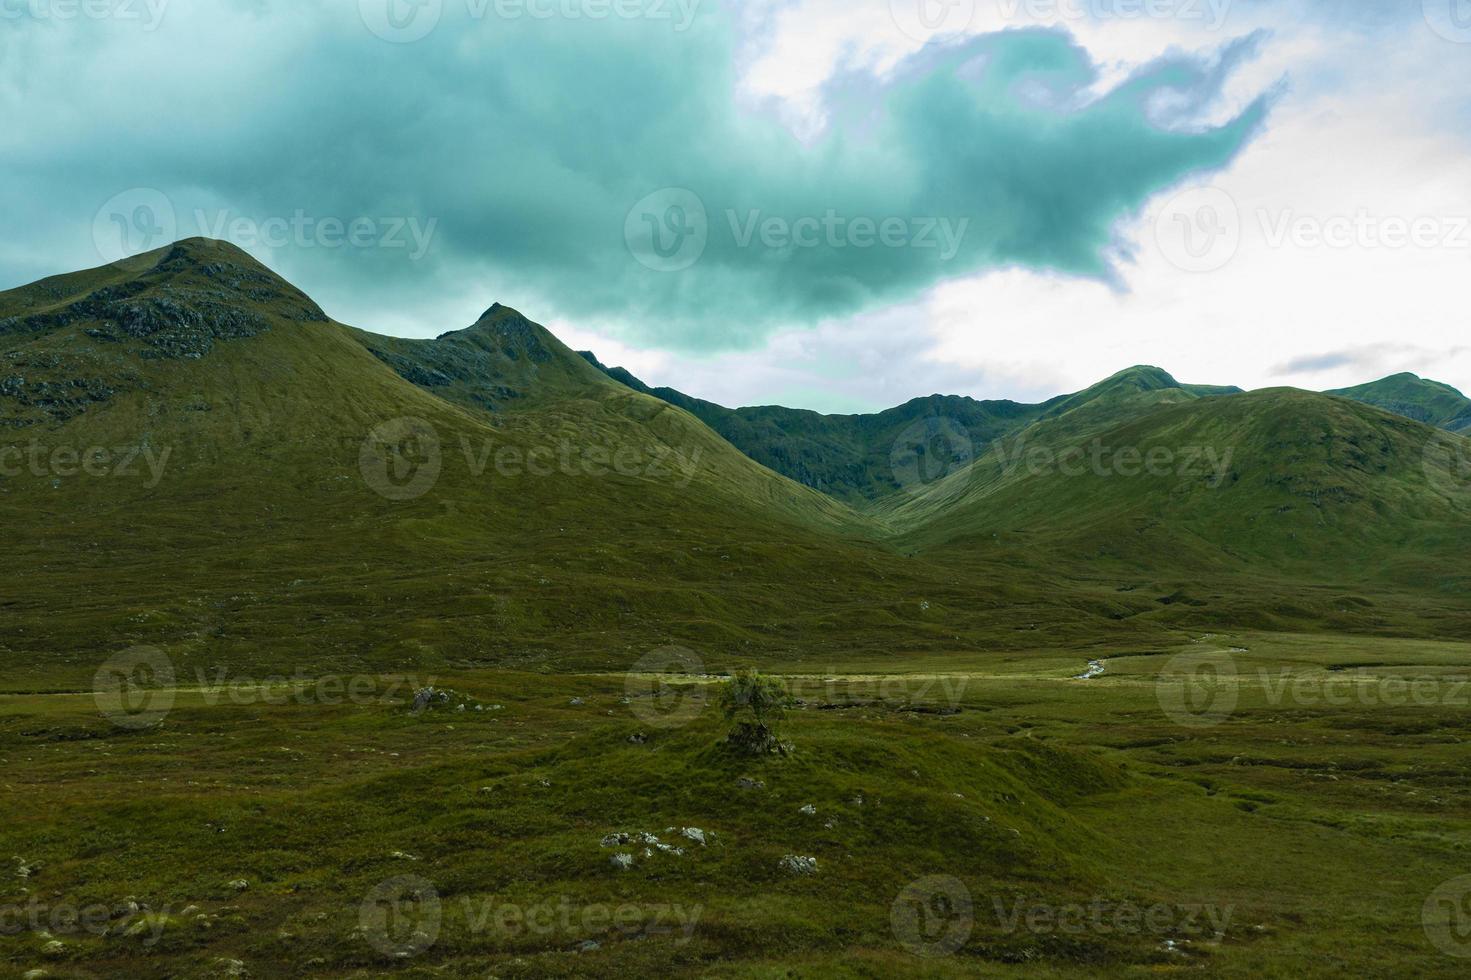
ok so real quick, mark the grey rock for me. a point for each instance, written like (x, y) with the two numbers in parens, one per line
(798, 864)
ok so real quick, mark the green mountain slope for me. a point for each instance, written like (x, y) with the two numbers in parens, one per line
(861, 458)
(195, 456)
(1131, 389)
(1416, 398)
(1185, 503)
(1282, 483)
(494, 364)
(233, 476)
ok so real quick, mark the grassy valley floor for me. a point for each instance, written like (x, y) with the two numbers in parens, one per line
(1245, 805)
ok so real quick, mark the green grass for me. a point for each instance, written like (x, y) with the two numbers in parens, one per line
(934, 637)
(1313, 833)
(1417, 398)
(864, 458)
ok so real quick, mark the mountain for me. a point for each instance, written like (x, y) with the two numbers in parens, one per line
(196, 456)
(499, 360)
(1417, 398)
(264, 486)
(202, 314)
(861, 458)
(83, 339)
(1274, 489)
(1259, 497)
(1133, 387)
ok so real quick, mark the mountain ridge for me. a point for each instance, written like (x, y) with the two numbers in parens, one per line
(286, 500)
(1412, 396)
(835, 459)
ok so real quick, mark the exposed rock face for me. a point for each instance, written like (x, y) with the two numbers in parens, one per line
(490, 363)
(184, 325)
(798, 864)
(180, 307)
(515, 336)
(60, 400)
(47, 387)
(234, 276)
(197, 294)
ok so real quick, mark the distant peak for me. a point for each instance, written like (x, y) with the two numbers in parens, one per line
(197, 253)
(499, 311)
(228, 270)
(507, 329)
(1146, 375)
(592, 359)
(201, 246)
(174, 302)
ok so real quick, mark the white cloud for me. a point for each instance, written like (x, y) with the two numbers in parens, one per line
(1346, 151)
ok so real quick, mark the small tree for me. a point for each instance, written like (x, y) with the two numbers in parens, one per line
(753, 705)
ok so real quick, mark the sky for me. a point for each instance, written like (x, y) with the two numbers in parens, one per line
(828, 204)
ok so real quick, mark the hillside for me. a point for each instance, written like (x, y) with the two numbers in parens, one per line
(1417, 398)
(861, 458)
(1278, 483)
(267, 486)
(264, 485)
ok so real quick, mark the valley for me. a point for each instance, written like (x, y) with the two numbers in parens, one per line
(1015, 807)
(1151, 678)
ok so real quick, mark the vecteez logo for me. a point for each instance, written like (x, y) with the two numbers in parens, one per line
(134, 689)
(409, 233)
(1100, 459)
(142, 219)
(1451, 19)
(147, 13)
(1211, 14)
(928, 451)
(1198, 689)
(401, 917)
(1447, 463)
(137, 220)
(923, 20)
(835, 230)
(663, 688)
(1202, 230)
(144, 462)
(933, 917)
(1199, 230)
(1446, 917)
(668, 230)
(407, 21)
(401, 459)
(401, 21)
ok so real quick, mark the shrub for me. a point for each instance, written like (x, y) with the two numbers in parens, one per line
(753, 705)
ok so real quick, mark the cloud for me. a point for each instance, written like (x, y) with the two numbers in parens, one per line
(1372, 359)
(533, 142)
(1314, 363)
